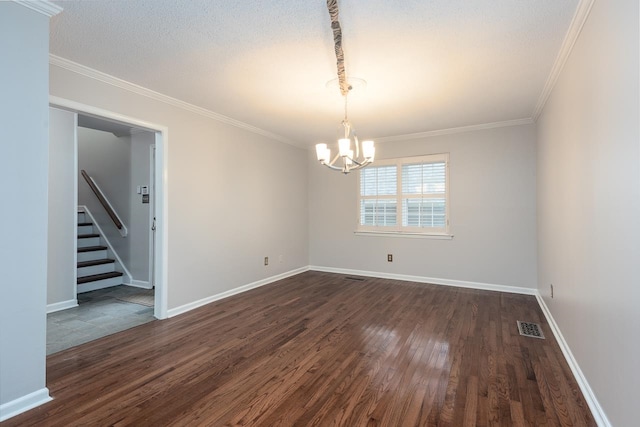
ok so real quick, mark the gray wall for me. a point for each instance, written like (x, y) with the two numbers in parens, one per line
(234, 197)
(107, 159)
(589, 206)
(139, 212)
(61, 277)
(492, 213)
(119, 165)
(24, 49)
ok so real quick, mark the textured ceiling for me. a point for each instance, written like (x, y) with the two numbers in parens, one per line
(429, 65)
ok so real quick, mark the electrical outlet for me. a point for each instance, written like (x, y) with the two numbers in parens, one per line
(266, 260)
(551, 286)
(389, 257)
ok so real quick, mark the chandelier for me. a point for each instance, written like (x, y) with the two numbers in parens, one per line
(365, 152)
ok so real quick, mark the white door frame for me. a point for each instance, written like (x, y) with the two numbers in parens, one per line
(160, 200)
(152, 213)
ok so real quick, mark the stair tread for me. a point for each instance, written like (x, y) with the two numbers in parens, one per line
(96, 277)
(95, 262)
(84, 224)
(87, 236)
(92, 248)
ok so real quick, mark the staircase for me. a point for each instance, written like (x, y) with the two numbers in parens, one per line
(95, 269)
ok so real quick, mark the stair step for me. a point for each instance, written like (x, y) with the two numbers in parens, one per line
(92, 248)
(95, 277)
(95, 262)
(82, 224)
(87, 236)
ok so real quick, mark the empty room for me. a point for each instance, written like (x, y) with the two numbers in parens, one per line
(340, 212)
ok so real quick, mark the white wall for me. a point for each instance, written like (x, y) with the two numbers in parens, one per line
(234, 196)
(589, 206)
(24, 47)
(492, 213)
(61, 276)
(107, 159)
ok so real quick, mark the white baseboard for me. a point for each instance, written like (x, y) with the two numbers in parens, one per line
(62, 305)
(24, 403)
(193, 305)
(587, 392)
(432, 280)
(139, 284)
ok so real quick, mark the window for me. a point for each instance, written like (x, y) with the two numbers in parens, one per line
(408, 195)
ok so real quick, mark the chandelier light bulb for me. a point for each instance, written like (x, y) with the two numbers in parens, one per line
(320, 151)
(368, 150)
(344, 145)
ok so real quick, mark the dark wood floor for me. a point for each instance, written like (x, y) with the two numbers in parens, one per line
(320, 349)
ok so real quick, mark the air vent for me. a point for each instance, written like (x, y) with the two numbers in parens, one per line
(529, 329)
(357, 279)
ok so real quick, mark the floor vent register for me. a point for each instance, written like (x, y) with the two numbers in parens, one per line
(529, 329)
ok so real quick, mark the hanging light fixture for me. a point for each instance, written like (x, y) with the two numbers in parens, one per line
(364, 153)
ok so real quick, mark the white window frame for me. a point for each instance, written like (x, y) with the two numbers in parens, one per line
(399, 230)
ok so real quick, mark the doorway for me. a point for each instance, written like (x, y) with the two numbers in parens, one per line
(152, 185)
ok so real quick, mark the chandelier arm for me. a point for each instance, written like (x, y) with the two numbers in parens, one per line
(332, 167)
(361, 165)
(357, 144)
(337, 156)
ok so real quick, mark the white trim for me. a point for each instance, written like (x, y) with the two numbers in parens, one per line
(577, 23)
(162, 199)
(88, 110)
(131, 87)
(431, 280)
(62, 305)
(152, 213)
(161, 210)
(41, 6)
(139, 284)
(403, 234)
(75, 204)
(596, 410)
(461, 129)
(204, 301)
(24, 403)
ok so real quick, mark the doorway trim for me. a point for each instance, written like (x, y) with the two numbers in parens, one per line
(161, 200)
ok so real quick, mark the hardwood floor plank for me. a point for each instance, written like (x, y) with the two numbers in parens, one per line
(318, 349)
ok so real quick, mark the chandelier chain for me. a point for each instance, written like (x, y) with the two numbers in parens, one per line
(332, 6)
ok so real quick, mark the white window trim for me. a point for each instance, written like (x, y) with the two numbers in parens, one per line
(399, 231)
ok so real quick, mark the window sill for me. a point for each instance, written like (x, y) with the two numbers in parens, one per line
(402, 234)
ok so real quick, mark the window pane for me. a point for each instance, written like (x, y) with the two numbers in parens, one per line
(417, 212)
(378, 181)
(378, 213)
(424, 178)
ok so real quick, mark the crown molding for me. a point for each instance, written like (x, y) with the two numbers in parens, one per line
(140, 90)
(575, 28)
(461, 129)
(41, 6)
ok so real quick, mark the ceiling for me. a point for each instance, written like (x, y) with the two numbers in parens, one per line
(429, 64)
